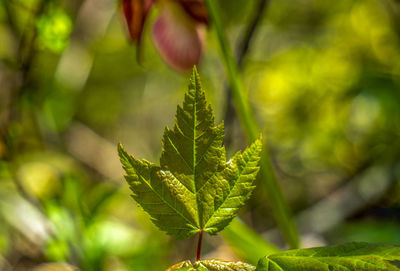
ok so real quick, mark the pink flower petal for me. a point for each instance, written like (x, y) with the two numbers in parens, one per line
(178, 37)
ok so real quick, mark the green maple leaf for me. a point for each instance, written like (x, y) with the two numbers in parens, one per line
(347, 257)
(194, 188)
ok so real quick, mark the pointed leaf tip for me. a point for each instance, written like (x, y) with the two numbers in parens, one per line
(121, 152)
(195, 72)
(258, 141)
(195, 82)
(120, 147)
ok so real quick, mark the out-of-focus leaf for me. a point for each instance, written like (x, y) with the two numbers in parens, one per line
(247, 243)
(186, 265)
(367, 231)
(24, 217)
(212, 265)
(39, 179)
(195, 189)
(54, 29)
(352, 256)
(114, 237)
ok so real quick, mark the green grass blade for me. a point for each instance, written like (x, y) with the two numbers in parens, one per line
(247, 243)
(276, 200)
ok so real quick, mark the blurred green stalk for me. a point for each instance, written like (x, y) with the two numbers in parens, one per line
(246, 242)
(276, 200)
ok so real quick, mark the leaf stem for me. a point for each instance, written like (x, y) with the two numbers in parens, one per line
(198, 254)
(277, 202)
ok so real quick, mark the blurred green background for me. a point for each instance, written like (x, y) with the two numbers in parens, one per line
(323, 79)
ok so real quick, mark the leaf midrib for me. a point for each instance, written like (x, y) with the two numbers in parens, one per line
(194, 150)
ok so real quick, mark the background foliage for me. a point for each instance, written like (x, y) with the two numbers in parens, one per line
(323, 80)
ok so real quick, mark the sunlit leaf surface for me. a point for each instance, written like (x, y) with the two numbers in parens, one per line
(194, 189)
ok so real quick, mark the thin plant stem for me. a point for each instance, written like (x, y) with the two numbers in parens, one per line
(276, 199)
(248, 34)
(243, 48)
(198, 254)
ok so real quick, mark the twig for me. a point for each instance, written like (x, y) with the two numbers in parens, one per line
(10, 17)
(94, 151)
(242, 50)
(393, 9)
(25, 54)
(27, 50)
(244, 45)
(14, 31)
(27, 43)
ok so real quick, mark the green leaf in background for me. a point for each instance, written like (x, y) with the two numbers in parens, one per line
(54, 29)
(372, 231)
(352, 256)
(212, 265)
(194, 189)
